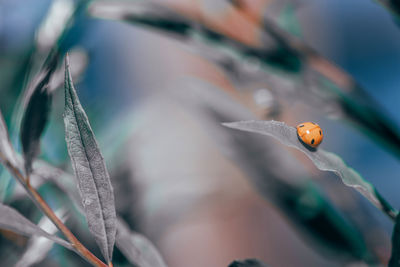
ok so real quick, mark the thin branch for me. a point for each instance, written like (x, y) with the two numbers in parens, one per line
(45, 208)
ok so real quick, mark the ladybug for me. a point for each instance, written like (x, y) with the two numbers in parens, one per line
(310, 134)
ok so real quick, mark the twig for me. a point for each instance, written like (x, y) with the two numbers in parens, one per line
(42, 205)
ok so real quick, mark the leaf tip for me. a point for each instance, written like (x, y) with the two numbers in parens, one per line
(66, 59)
(67, 68)
(229, 124)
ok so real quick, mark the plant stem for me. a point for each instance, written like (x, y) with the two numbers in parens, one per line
(42, 205)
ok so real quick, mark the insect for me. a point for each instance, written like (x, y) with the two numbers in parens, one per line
(310, 134)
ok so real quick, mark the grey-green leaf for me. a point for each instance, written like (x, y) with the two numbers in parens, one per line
(247, 263)
(137, 248)
(37, 112)
(12, 220)
(323, 160)
(93, 179)
(7, 153)
(395, 258)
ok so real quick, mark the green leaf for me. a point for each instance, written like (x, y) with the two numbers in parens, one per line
(37, 113)
(93, 179)
(323, 160)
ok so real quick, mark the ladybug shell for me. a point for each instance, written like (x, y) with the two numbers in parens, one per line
(310, 133)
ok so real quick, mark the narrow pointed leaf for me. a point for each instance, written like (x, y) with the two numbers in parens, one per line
(37, 113)
(12, 220)
(137, 248)
(7, 153)
(323, 160)
(395, 258)
(247, 263)
(93, 179)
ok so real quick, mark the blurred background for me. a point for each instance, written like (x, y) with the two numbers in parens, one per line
(204, 194)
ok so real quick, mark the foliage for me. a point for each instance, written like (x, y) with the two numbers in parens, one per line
(272, 57)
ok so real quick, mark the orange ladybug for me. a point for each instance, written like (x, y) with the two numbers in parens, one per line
(310, 133)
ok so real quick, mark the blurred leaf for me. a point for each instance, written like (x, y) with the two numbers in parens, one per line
(39, 247)
(54, 24)
(41, 55)
(12, 220)
(247, 263)
(8, 158)
(37, 113)
(79, 59)
(323, 160)
(137, 248)
(145, 13)
(392, 5)
(288, 20)
(283, 58)
(358, 108)
(7, 153)
(89, 166)
(197, 107)
(43, 172)
(395, 258)
(306, 208)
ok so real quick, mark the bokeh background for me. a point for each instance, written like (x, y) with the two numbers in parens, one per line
(180, 178)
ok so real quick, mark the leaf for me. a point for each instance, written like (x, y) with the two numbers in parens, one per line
(149, 14)
(93, 179)
(79, 59)
(54, 24)
(137, 248)
(12, 220)
(323, 160)
(288, 20)
(280, 59)
(39, 247)
(37, 113)
(7, 153)
(261, 160)
(247, 263)
(393, 6)
(395, 258)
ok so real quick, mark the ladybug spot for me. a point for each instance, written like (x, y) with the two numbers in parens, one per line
(301, 125)
(320, 132)
(312, 141)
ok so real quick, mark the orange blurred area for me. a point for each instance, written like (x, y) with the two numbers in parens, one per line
(240, 22)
